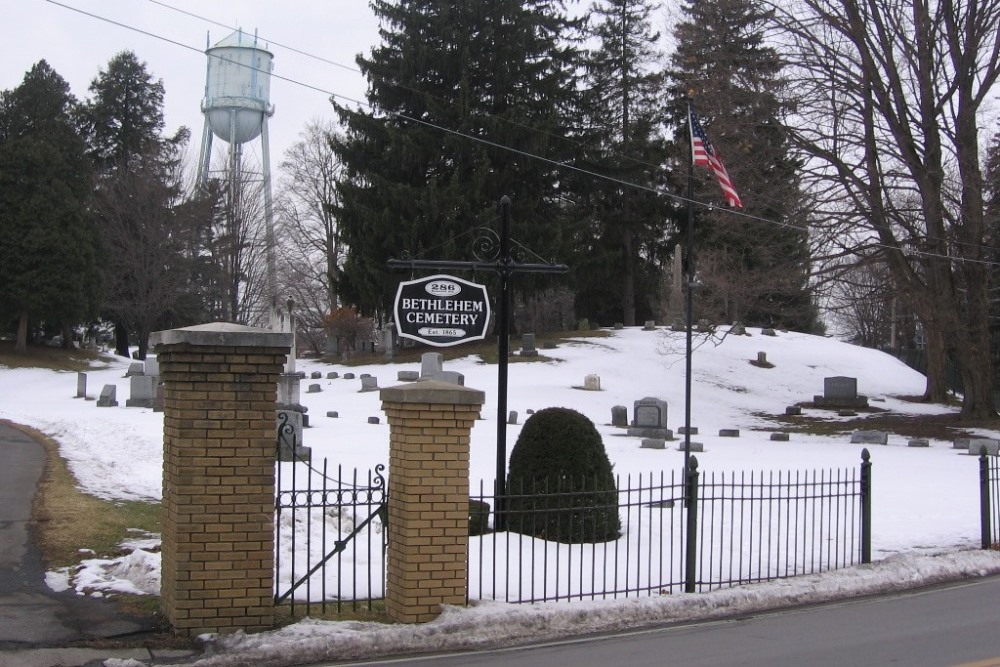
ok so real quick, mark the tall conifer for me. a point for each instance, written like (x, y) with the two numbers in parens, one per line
(754, 267)
(461, 96)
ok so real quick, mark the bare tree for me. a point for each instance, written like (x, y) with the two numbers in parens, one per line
(890, 96)
(237, 246)
(310, 246)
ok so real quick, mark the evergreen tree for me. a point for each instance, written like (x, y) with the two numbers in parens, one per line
(755, 267)
(138, 187)
(625, 237)
(48, 260)
(414, 182)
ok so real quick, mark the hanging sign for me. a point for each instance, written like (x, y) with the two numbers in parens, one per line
(441, 310)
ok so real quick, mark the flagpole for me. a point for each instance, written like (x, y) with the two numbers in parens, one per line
(688, 307)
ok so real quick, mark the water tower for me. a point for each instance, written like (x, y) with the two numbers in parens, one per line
(237, 107)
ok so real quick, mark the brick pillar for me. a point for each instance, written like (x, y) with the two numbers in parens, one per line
(428, 528)
(220, 387)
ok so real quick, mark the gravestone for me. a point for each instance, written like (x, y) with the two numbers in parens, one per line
(108, 398)
(549, 345)
(431, 363)
(653, 443)
(678, 325)
(918, 442)
(583, 325)
(314, 389)
(619, 416)
(528, 345)
(779, 437)
(512, 417)
(333, 414)
(158, 398)
(332, 375)
(767, 332)
(592, 382)
(649, 419)
(451, 377)
(81, 385)
(704, 326)
(135, 368)
(840, 392)
(649, 326)
(869, 438)
(315, 375)
(691, 447)
(369, 383)
(793, 410)
(289, 388)
(738, 329)
(142, 391)
(387, 340)
(961, 443)
(408, 376)
(348, 376)
(373, 420)
(619, 326)
(729, 433)
(288, 429)
(976, 445)
(151, 366)
(684, 430)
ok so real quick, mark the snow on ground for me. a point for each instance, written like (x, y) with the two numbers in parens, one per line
(925, 502)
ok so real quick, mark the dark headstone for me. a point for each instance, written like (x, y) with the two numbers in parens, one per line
(729, 433)
(692, 447)
(348, 376)
(333, 414)
(512, 417)
(869, 438)
(332, 375)
(528, 345)
(315, 375)
(373, 420)
(314, 389)
(653, 443)
(779, 437)
(108, 398)
(793, 410)
(684, 429)
(619, 416)
(918, 442)
(408, 376)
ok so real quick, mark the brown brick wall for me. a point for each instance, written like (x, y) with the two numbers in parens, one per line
(428, 527)
(218, 486)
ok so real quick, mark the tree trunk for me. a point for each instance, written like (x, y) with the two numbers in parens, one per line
(22, 334)
(121, 340)
(936, 390)
(628, 280)
(67, 337)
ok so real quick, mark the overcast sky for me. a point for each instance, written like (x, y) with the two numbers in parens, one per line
(77, 45)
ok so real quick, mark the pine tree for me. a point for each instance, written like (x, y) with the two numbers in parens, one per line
(623, 118)
(416, 181)
(753, 268)
(138, 187)
(48, 260)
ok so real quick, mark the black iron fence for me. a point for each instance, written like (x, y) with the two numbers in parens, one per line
(329, 536)
(989, 499)
(672, 534)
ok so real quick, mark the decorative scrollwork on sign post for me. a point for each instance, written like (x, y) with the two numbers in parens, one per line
(486, 245)
(496, 252)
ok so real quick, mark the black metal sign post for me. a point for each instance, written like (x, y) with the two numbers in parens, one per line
(494, 253)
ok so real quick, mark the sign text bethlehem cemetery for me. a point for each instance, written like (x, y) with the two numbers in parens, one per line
(441, 310)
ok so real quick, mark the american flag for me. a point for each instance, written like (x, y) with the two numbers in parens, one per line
(705, 155)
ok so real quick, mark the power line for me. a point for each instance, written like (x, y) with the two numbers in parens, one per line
(558, 164)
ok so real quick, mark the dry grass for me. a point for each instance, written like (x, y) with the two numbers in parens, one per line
(52, 358)
(66, 520)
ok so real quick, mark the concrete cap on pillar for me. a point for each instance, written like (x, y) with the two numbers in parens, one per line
(432, 391)
(222, 334)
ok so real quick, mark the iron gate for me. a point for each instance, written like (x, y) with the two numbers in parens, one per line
(330, 537)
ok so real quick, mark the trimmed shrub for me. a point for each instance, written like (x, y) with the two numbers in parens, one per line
(561, 486)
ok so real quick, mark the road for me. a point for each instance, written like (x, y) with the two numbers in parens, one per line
(945, 626)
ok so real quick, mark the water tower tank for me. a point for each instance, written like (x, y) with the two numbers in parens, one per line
(238, 88)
